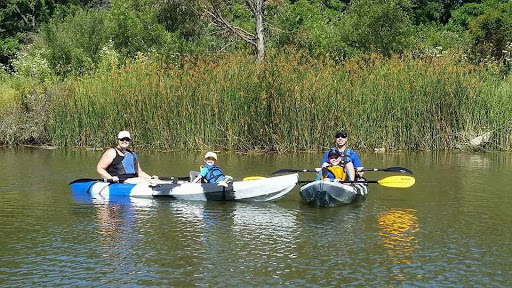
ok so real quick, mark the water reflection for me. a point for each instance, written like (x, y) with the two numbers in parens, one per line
(113, 246)
(261, 235)
(112, 222)
(271, 217)
(193, 239)
(244, 222)
(52, 240)
(475, 161)
(84, 198)
(398, 229)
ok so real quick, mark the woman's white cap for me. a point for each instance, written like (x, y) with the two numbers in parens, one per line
(210, 154)
(123, 134)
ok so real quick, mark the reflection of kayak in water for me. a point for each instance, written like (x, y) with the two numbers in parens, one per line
(265, 189)
(328, 194)
(85, 198)
(270, 216)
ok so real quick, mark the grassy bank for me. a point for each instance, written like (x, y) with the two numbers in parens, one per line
(289, 103)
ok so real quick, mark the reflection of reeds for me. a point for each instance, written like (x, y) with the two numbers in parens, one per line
(290, 102)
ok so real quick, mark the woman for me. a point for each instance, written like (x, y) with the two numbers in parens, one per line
(120, 163)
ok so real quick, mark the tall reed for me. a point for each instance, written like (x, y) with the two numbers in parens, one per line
(292, 102)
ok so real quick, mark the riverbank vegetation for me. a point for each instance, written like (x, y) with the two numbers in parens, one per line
(399, 75)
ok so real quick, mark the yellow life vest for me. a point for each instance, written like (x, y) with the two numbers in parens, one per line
(337, 171)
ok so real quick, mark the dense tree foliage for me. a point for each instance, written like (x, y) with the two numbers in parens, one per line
(77, 36)
(20, 18)
(490, 29)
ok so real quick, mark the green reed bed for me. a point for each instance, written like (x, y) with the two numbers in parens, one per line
(495, 111)
(291, 102)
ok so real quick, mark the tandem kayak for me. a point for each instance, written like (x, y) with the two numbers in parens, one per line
(329, 194)
(260, 190)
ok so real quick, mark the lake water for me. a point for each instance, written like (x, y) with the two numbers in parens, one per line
(451, 229)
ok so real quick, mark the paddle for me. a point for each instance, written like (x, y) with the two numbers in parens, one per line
(398, 181)
(91, 179)
(250, 178)
(122, 180)
(390, 169)
(180, 178)
(292, 171)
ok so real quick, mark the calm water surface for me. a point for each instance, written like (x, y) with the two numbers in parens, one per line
(452, 229)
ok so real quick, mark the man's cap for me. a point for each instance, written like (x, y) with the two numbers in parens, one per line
(341, 133)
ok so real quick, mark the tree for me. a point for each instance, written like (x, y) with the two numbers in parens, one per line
(19, 18)
(215, 8)
(180, 16)
(492, 33)
(381, 26)
(314, 25)
(489, 26)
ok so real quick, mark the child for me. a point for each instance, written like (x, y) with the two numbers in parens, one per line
(336, 167)
(211, 173)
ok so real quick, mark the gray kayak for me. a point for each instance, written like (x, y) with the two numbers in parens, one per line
(329, 194)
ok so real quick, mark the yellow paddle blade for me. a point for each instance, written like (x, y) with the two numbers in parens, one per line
(250, 178)
(397, 181)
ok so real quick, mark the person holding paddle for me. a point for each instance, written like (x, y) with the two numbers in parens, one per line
(341, 139)
(339, 169)
(120, 163)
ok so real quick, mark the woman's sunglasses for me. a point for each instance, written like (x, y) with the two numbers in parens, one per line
(125, 139)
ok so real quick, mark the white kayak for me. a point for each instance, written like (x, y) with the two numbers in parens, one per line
(328, 194)
(264, 189)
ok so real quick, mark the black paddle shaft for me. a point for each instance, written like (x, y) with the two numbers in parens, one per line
(390, 169)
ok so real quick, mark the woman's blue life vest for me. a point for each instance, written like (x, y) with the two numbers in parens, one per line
(211, 174)
(124, 166)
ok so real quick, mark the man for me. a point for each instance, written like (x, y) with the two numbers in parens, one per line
(341, 139)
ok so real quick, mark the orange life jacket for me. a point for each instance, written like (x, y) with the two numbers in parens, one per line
(337, 171)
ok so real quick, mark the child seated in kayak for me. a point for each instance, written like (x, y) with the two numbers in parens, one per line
(337, 169)
(210, 172)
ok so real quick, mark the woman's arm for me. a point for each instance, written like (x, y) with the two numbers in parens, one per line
(141, 173)
(105, 161)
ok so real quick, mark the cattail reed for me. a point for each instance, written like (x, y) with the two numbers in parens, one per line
(292, 102)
